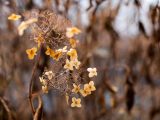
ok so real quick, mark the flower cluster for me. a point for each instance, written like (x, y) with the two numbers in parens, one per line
(86, 90)
(55, 54)
(57, 37)
(71, 63)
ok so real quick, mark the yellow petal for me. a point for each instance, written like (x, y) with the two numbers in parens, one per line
(73, 105)
(31, 52)
(68, 65)
(56, 55)
(73, 54)
(79, 105)
(69, 34)
(14, 17)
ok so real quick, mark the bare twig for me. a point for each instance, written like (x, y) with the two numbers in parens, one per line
(31, 81)
(98, 3)
(90, 5)
(38, 113)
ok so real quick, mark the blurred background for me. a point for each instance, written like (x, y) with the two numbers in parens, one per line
(119, 37)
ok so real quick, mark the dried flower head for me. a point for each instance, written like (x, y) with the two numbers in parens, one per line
(65, 74)
(52, 28)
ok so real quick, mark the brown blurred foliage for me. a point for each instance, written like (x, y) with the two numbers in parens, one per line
(128, 82)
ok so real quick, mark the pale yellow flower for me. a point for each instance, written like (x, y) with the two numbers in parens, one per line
(56, 55)
(90, 86)
(64, 49)
(76, 102)
(49, 74)
(72, 31)
(68, 65)
(84, 92)
(92, 72)
(45, 89)
(24, 25)
(76, 63)
(72, 53)
(31, 52)
(76, 88)
(14, 17)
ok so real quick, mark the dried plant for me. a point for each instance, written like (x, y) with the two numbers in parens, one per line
(87, 60)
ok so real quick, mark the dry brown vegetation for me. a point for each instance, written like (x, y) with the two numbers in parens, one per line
(128, 81)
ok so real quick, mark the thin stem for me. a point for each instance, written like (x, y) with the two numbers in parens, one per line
(31, 81)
